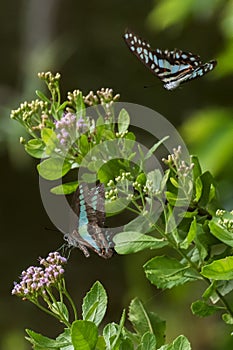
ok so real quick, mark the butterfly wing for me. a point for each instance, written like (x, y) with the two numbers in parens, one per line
(171, 67)
(96, 215)
(88, 233)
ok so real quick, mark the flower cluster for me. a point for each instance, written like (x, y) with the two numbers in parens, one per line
(32, 114)
(225, 221)
(121, 184)
(51, 80)
(69, 128)
(36, 280)
(138, 186)
(103, 96)
(149, 188)
(174, 160)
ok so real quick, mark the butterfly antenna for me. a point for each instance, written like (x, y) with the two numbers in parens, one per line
(51, 229)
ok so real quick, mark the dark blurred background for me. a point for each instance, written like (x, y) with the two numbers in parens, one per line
(83, 41)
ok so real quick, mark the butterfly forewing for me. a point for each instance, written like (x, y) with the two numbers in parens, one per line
(171, 67)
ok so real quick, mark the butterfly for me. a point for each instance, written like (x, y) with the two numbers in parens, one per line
(171, 67)
(88, 230)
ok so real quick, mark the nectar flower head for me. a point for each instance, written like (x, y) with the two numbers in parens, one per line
(69, 128)
(35, 280)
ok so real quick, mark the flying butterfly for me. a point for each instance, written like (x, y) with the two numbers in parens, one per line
(88, 230)
(171, 67)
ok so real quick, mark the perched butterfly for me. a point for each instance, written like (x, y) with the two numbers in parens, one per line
(88, 230)
(171, 67)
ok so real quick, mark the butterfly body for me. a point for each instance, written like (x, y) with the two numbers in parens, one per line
(89, 231)
(171, 67)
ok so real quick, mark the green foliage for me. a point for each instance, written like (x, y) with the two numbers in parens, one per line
(213, 144)
(95, 304)
(168, 13)
(149, 330)
(176, 209)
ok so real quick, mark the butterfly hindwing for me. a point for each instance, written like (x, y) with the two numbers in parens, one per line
(89, 232)
(171, 67)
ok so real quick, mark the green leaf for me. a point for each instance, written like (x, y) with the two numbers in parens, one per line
(62, 106)
(66, 188)
(174, 182)
(53, 168)
(49, 137)
(141, 179)
(65, 336)
(144, 321)
(95, 304)
(180, 343)
(101, 345)
(197, 167)
(130, 136)
(190, 236)
(190, 214)
(43, 342)
(116, 206)
(221, 286)
(148, 342)
(203, 309)
(119, 332)
(227, 318)
(198, 189)
(201, 241)
(210, 291)
(84, 335)
(220, 232)
(167, 272)
(126, 344)
(110, 333)
(79, 104)
(131, 242)
(84, 144)
(219, 269)
(207, 182)
(174, 200)
(123, 121)
(43, 97)
(155, 147)
(59, 308)
(35, 148)
(139, 224)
